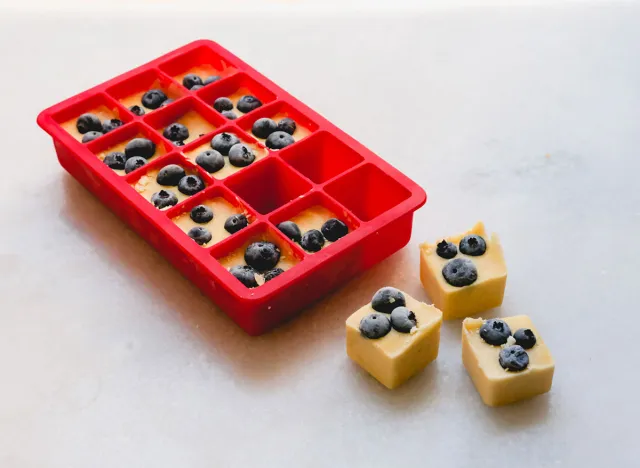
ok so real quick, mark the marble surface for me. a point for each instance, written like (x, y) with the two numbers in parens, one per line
(526, 118)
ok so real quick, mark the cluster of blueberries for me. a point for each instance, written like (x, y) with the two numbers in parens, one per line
(90, 126)
(277, 135)
(260, 257)
(173, 175)
(513, 358)
(202, 214)
(461, 271)
(314, 239)
(391, 312)
(135, 155)
(245, 104)
(225, 144)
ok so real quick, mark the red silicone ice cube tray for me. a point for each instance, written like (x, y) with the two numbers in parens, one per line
(324, 168)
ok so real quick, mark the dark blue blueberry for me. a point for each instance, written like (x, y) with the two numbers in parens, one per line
(210, 160)
(153, 98)
(196, 87)
(223, 104)
(191, 80)
(88, 123)
(245, 274)
(134, 163)
(495, 331)
(211, 79)
(178, 143)
(167, 102)
(278, 140)
(137, 110)
(287, 125)
(460, 272)
(115, 160)
(90, 136)
(223, 142)
(473, 245)
(375, 325)
(200, 235)
(235, 222)
(190, 185)
(176, 132)
(403, 320)
(229, 115)
(111, 124)
(170, 175)
(201, 214)
(333, 229)
(525, 338)
(240, 155)
(386, 299)
(269, 275)
(263, 127)
(513, 358)
(446, 249)
(140, 147)
(262, 256)
(312, 241)
(163, 199)
(248, 103)
(291, 230)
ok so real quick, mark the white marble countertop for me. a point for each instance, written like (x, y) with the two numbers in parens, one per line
(525, 117)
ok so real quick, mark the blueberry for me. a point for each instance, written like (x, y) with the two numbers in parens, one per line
(223, 142)
(111, 124)
(223, 104)
(291, 230)
(176, 132)
(248, 103)
(269, 275)
(178, 143)
(88, 123)
(262, 255)
(210, 160)
(287, 125)
(167, 102)
(235, 222)
(140, 147)
(153, 98)
(374, 326)
(115, 160)
(190, 185)
(170, 175)
(164, 199)
(245, 274)
(90, 136)
(137, 110)
(263, 127)
(513, 358)
(196, 87)
(495, 331)
(191, 80)
(460, 272)
(200, 235)
(134, 163)
(403, 320)
(333, 229)
(278, 140)
(525, 338)
(201, 214)
(312, 241)
(446, 249)
(386, 299)
(473, 245)
(229, 115)
(211, 79)
(240, 155)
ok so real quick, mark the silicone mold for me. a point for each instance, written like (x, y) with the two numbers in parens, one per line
(324, 167)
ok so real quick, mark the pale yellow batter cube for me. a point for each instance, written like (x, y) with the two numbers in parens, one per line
(485, 293)
(396, 357)
(496, 385)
